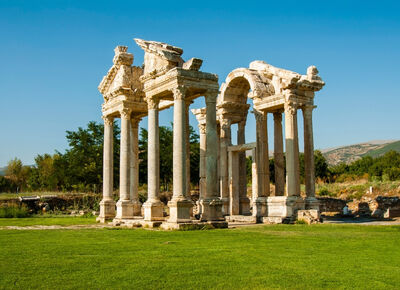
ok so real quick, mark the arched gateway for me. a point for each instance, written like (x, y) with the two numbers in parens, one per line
(166, 80)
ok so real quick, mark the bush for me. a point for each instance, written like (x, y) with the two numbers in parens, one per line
(14, 211)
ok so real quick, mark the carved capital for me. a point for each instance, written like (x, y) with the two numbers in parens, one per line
(260, 115)
(125, 113)
(225, 125)
(242, 124)
(202, 128)
(108, 120)
(307, 110)
(152, 103)
(179, 93)
(290, 108)
(211, 96)
(135, 122)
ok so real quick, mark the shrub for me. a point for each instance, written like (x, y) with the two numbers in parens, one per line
(14, 211)
(301, 222)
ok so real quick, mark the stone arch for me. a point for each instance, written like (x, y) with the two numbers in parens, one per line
(240, 82)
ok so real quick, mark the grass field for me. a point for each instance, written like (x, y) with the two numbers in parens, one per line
(281, 256)
(47, 221)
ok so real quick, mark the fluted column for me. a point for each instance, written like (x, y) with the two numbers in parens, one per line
(202, 171)
(107, 205)
(188, 103)
(244, 202)
(211, 203)
(134, 167)
(309, 166)
(124, 204)
(262, 159)
(179, 205)
(279, 160)
(224, 173)
(153, 207)
(292, 171)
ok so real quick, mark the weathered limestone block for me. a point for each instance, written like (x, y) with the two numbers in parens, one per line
(310, 216)
(193, 64)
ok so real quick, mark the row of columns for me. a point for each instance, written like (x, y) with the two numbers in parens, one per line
(261, 181)
(180, 205)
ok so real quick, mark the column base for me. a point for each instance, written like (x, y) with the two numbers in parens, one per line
(211, 209)
(225, 206)
(107, 210)
(244, 206)
(312, 202)
(153, 210)
(284, 206)
(179, 210)
(260, 208)
(124, 209)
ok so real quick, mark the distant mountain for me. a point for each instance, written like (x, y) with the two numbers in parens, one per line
(2, 170)
(351, 153)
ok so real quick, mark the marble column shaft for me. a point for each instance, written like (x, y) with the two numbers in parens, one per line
(125, 156)
(309, 166)
(279, 160)
(262, 154)
(108, 158)
(134, 164)
(242, 160)
(225, 142)
(202, 173)
(292, 185)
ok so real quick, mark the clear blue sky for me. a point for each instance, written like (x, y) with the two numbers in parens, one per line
(54, 53)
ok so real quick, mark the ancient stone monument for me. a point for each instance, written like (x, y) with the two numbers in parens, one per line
(166, 80)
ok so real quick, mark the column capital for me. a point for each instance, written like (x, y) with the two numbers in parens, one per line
(211, 96)
(125, 113)
(260, 115)
(108, 120)
(290, 108)
(202, 128)
(242, 124)
(179, 92)
(225, 125)
(135, 121)
(307, 110)
(152, 103)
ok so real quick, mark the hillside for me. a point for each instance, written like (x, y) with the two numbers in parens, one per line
(351, 153)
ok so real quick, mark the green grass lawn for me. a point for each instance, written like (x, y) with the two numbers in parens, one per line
(47, 221)
(281, 256)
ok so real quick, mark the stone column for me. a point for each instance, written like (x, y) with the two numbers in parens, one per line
(202, 185)
(244, 202)
(211, 203)
(254, 179)
(278, 156)
(124, 204)
(292, 185)
(188, 103)
(260, 202)
(134, 167)
(107, 205)
(234, 183)
(309, 167)
(224, 173)
(180, 205)
(153, 207)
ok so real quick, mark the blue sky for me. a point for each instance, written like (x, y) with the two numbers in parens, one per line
(54, 53)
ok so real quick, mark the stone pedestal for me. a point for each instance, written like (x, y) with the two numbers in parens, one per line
(124, 209)
(212, 209)
(107, 210)
(260, 208)
(153, 210)
(281, 207)
(244, 205)
(179, 211)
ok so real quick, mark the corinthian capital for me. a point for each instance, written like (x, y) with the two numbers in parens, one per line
(211, 96)
(290, 108)
(108, 120)
(179, 93)
(152, 103)
(307, 110)
(202, 128)
(125, 113)
(260, 115)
